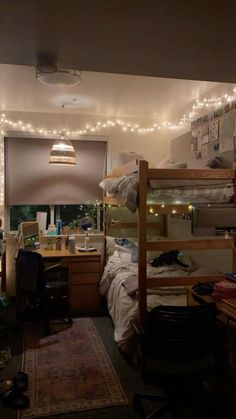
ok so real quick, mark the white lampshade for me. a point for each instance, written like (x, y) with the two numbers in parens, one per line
(62, 153)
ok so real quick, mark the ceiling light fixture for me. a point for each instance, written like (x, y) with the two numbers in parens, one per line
(62, 152)
(50, 75)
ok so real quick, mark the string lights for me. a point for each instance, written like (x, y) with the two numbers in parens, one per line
(198, 107)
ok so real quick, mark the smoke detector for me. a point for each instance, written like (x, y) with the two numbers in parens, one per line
(50, 75)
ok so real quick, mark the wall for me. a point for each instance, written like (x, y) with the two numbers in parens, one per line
(180, 150)
(211, 260)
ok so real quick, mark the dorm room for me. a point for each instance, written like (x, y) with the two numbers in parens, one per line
(152, 270)
(117, 211)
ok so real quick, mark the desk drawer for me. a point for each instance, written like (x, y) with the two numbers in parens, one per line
(84, 278)
(84, 298)
(86, 266)
(64, 262)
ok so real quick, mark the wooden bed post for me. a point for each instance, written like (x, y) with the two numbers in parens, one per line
(142, 238)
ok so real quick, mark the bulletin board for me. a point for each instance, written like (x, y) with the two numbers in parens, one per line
(214, 132)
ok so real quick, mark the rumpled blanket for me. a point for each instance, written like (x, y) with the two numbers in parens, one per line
(119, 276)
(124, 186)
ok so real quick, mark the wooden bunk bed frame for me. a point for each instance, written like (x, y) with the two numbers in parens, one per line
(145, 173)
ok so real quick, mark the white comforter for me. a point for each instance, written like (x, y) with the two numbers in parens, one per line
(119, 284)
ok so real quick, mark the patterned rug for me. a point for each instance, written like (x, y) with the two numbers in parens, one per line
(68, 371)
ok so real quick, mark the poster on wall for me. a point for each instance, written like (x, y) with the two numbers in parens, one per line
(214, 130)
(226, 132)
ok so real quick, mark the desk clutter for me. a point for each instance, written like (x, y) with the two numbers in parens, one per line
(224, 289)
(68, 243)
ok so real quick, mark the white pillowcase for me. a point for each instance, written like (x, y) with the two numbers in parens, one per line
(177, 165)
(169, 163)
(163, 163)
(111, 244)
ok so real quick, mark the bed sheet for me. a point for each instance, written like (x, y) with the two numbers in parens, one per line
(119, 285)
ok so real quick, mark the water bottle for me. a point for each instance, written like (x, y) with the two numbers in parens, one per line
(58, 227)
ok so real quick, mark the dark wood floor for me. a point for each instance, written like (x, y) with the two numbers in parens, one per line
(129, 376)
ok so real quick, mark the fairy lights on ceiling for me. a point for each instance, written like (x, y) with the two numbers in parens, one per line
(199, 107)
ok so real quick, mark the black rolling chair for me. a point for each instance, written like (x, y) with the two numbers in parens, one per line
(40, 290)
(178, 351)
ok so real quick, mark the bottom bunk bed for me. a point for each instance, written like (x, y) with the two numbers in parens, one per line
(119, 284)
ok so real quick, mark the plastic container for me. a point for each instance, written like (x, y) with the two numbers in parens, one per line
(86, 242)
(52, 230)
(71, 244)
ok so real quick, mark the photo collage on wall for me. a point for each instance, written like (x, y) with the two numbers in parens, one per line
(214, 132)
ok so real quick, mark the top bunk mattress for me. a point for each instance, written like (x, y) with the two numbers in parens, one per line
(191, 191)
(169, 191)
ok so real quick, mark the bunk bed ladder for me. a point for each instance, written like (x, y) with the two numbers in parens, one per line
(142, 239)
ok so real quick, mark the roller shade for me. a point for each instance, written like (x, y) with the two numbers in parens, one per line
(31, 180)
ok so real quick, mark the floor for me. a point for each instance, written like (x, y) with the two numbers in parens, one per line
(128, 374)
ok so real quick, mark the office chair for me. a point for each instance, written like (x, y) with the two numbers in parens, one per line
(178, 350)
(39, 289)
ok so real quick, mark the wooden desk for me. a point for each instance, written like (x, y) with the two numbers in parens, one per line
(84, 276)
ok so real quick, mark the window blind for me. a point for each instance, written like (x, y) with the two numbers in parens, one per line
(31, 180)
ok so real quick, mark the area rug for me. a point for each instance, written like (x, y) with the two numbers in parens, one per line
(68, 371)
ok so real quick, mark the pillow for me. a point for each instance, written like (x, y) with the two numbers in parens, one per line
(162, 164)
(122, 254)
(217, 162)
(169, 163)
(111, 244)
(126, 156)
(176, 165)
(129, 247)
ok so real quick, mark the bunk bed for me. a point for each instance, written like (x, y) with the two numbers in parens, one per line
(146, 279)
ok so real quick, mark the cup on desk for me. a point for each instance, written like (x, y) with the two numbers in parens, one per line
(71, 244)
(58, 243)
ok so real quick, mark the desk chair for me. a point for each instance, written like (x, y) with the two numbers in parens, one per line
(177, 350)
(40, 289)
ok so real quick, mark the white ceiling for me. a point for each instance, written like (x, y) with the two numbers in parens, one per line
(102, 94)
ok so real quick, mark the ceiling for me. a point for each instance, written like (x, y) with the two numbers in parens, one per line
(100, 94)
(171, 38)
(138, 59)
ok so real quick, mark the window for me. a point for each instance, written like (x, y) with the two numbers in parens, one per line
(72, 214)
(69, 214)
(19, 213)
(66, 193)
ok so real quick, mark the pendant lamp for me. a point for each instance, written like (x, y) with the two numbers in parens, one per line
(62, 151)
